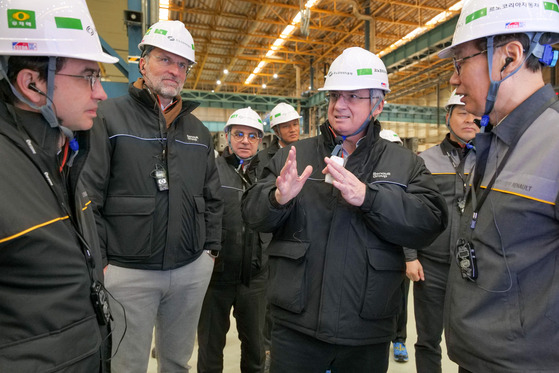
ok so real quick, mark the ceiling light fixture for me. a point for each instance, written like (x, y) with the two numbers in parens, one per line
(163, 10)
(439, 18)
(288, 30)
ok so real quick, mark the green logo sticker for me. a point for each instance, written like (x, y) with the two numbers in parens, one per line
(160, 31)
(476, 15)
(551, 6)
(364, 72)
(277, 115)
(18, 18)
(233, 116)
(69, 23)
(192, 46)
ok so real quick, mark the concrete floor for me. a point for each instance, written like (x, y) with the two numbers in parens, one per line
(232, 351)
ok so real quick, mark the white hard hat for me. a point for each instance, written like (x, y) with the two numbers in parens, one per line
(390, 136)
(55, 28)
(245, 117)
(482, 18)
(282, 113)
(356, 68)
(171, 36)
(454, 99)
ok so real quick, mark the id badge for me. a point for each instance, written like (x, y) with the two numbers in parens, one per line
(466, 258)
(161, 180)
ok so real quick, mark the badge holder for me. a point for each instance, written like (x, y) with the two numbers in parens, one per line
(160, 176)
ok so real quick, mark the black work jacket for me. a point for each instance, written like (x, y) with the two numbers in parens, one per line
(265, 155)
(139, 225)
(336, 270)
(243, 253)
(47, 320)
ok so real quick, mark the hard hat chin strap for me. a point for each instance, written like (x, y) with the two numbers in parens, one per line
(47, 110)
(536, 49)
(277, 133)
(467, 144)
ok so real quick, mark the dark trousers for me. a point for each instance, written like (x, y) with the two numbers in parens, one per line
(249, 308)
(267, 332)
(402, 332)
(428, 305)
(295, 352)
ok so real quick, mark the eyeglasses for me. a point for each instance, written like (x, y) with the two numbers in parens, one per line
(167, 62)
(93, 78)
(240, 135)
(459, 61)
(349, 98)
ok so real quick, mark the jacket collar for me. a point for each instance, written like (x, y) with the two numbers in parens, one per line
(42, 135)
(234, 161)
(372, 134)
(274, 146)
(147, 98)
(33, 125)
(523, 115)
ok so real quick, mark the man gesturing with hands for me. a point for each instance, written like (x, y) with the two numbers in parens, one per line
(340, 206)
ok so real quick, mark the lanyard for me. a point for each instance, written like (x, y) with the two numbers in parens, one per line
(477, 204)
(459, 168)
(241, 172)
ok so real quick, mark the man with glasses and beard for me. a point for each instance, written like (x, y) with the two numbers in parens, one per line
(155, 189)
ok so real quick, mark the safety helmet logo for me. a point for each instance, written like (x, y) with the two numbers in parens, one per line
(23, 46)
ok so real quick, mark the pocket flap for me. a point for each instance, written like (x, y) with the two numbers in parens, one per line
(288, 249)
(200, 204)
(384, 260)
(129, 205)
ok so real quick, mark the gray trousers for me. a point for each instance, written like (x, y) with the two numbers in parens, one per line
(170, 301)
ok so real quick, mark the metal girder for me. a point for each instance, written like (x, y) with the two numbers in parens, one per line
(121, 65)
(237, 100)
(439, 36)
(411, 114)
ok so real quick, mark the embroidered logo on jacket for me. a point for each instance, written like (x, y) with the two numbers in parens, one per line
(192, 138)
(381, 175)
